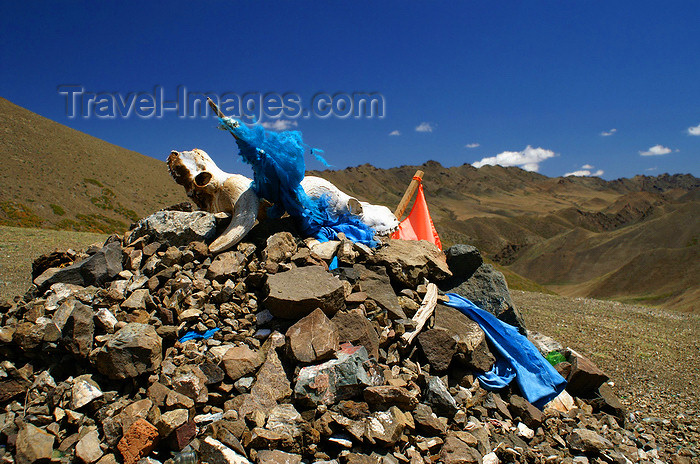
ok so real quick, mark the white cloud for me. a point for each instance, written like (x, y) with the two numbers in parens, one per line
(529, 159)
(587, 166)
(608, 133)
(472, 145)
(425, 127)
(695, 130)
(395, 133)
(656, 150)
(585, 173)
(652, 169)
(280, 124)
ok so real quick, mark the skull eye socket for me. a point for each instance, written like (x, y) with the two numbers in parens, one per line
(202, 179)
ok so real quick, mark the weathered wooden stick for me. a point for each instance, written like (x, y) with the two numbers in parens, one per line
(214, 107)
(426, 310)
(408, 195)
(218, 112)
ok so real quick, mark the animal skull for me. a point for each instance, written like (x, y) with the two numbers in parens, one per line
(214, 190)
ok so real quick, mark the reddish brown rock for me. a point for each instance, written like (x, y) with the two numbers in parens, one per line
(354, 327)
(439, 347)
(313, 338)
(585, 377)
(529, 414)
(240, 361)
(384, 396)
(182, 436)
(138, 441)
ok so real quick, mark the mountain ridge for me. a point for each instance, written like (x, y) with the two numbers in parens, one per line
(578, 236)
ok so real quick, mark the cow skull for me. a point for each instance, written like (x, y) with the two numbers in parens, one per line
(214, 190)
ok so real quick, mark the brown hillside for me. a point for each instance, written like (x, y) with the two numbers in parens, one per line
(61, 178)
(578, 236)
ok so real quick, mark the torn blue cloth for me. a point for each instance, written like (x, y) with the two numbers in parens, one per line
(277, 159)
(516, 357)
(194, 335)
(333, 264)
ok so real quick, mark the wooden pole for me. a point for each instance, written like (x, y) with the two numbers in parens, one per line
(403, 204)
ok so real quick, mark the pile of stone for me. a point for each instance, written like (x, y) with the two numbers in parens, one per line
(287, 360)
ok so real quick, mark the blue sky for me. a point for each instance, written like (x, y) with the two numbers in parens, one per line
(552, 76)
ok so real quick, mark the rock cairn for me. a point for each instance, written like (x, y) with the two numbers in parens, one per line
(298, 363)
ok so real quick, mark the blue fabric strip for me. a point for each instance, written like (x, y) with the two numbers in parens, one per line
(277, 159)
(194, 335)
(516, 357)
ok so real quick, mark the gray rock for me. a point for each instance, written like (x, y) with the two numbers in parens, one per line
(190, 381)
(84, 391)
(98, 269)
(438, 346)
(131, 351)
(487, 289)
(384, 427)
(470, 339)
(33, 445)
(213, 373)
(280, 247)
(171, 420)
(296, 293)
(463, 261)
(277, 457)
(587, 441)
(439, 398)
(408, 262)
(312, 338)
(79, 330)
(337, 379)
(377, 286)
(456, 451)
(285, 419)
(176, 228)
(226, 265)
(106, 319)
(88, 448)
(543, 343)
(325, 250)
(215, 452)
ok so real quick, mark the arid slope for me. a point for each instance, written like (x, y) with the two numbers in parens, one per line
(634, 240)
(61, 178)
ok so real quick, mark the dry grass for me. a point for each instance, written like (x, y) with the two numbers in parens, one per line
(57, 177)
(652, 355)
(19, 246)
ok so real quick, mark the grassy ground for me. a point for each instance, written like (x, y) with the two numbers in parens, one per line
(651, 354)
(518, 282)
(20, 246)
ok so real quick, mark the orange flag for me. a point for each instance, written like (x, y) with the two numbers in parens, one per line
(418, 225)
